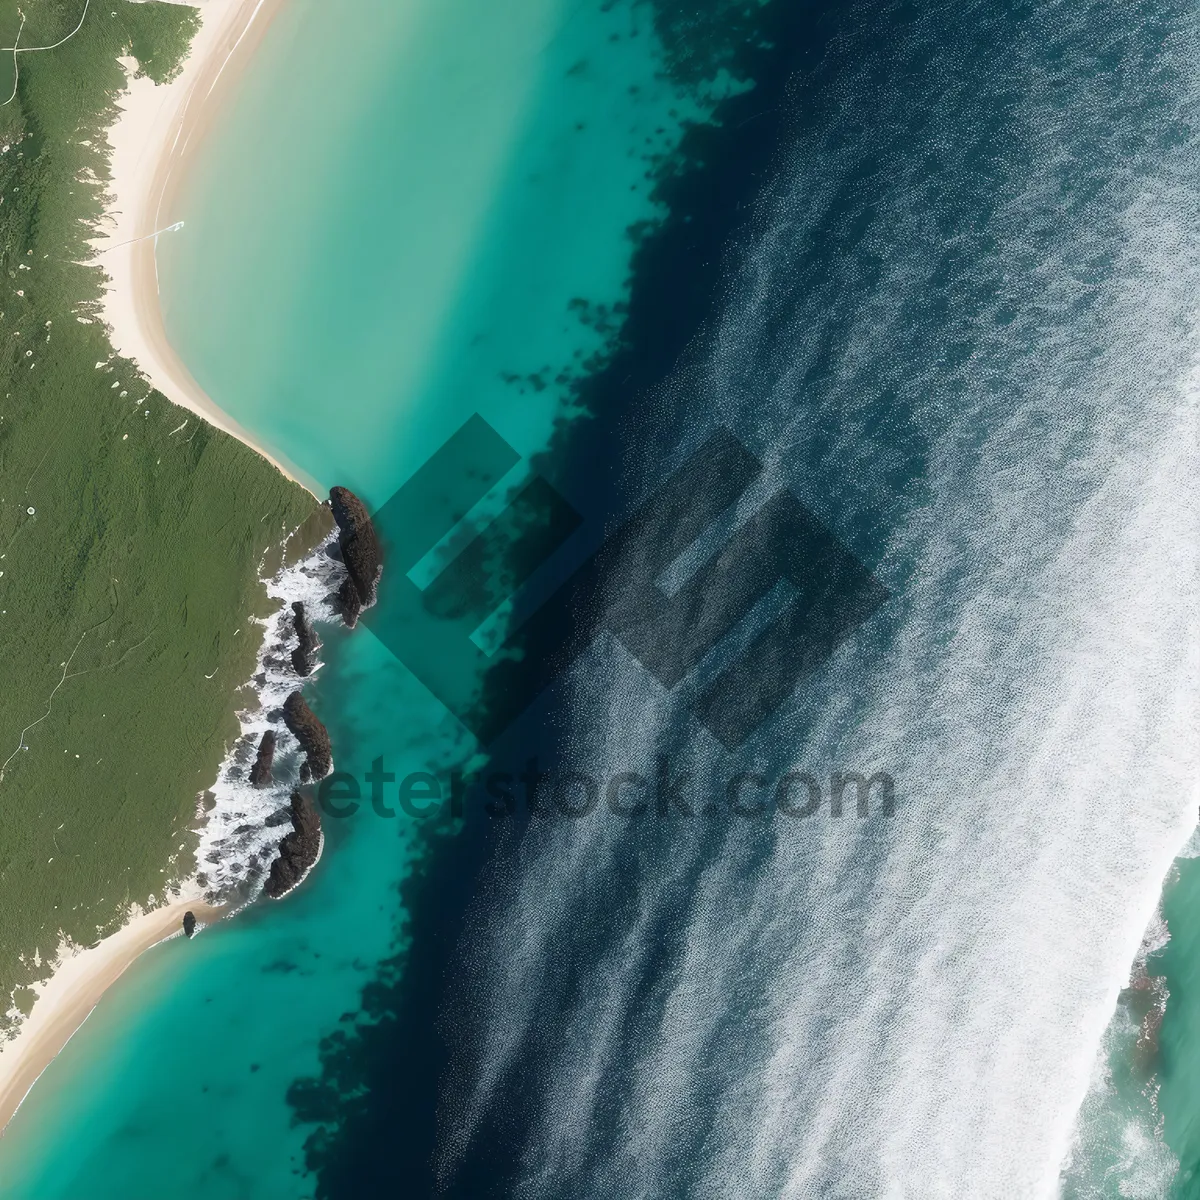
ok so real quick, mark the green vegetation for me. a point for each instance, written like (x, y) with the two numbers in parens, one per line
(125, 594)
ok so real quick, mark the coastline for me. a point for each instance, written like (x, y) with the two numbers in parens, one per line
(79, 979)
(156, 128)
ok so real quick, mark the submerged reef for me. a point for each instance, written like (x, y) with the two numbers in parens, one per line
(298, 850)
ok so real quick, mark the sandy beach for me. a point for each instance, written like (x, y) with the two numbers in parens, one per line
(66, 999)
(157, 128)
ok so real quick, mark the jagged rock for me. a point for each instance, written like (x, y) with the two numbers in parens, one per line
(189, 923)
(280, 817)
(298, 850)
(359, 551)
(304, 657)
(311, 734)
(260, 772)
(348, 602)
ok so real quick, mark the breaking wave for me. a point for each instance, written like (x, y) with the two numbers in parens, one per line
(240, 825)
(962, 327)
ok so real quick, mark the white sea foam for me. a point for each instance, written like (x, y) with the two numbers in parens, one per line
(914, 1007)
(236, 845)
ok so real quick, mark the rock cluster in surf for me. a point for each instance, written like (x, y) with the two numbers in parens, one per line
(304, 657)
(189, 923)
(339, 580)
(298, 850)
(359, 547)
(312, 736)
(260, 772)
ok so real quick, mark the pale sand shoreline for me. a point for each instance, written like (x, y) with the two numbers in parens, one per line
(150, 140)
(67, 998)
(157, 128)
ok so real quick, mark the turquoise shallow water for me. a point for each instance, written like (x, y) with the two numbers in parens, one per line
(372, 242)
(937, 269)
(363, 264)
(1179, 1096)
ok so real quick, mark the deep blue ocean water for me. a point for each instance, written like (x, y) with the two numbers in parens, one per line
(936, 269)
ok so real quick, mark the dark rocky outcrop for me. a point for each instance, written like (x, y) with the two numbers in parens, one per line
(348, 602)
(189, 923)
(304, 657)
(298, 850)
(311, 734)
(260, 771)
(359, 551)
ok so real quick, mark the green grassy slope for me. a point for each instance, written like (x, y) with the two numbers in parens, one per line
(125, 595)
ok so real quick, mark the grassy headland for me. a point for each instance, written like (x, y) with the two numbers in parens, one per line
(128, 549)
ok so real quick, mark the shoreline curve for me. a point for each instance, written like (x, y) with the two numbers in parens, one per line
(79, 980)
(157, 127)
